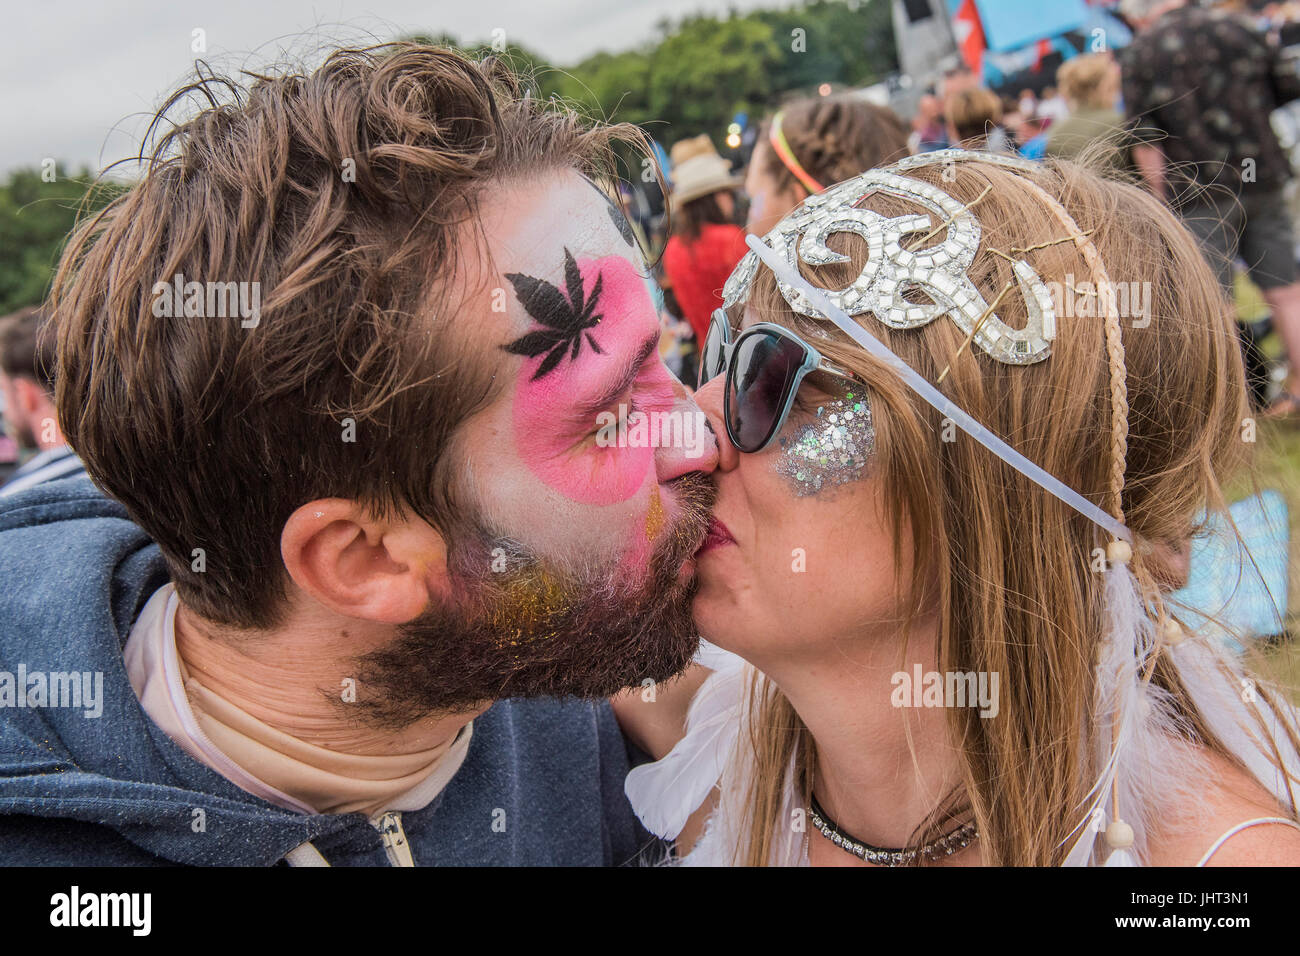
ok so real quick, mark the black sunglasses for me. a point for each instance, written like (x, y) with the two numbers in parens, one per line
(765, 366)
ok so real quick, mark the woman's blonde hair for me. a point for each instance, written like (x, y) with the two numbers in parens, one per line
(835, 138)
(1083, 81)
(1011, 570)
(973, 112)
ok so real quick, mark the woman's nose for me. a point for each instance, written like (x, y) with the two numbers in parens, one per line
(709, 398)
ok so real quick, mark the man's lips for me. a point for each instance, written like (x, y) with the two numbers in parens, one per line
(717, 536)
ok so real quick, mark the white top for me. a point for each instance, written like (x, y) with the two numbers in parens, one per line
(666, 792)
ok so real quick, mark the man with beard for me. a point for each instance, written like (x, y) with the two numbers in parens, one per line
(340, 361)
(27, 384)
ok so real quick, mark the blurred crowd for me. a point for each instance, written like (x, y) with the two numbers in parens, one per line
(1191, 110)
(1188, 110)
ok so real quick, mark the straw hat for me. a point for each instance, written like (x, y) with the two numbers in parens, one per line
(698, 170)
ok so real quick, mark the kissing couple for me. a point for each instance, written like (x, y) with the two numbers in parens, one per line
(369, 584)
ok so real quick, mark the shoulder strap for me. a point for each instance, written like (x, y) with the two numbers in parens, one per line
(1243, 826)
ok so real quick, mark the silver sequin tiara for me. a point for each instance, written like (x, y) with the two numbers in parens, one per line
(891, 271)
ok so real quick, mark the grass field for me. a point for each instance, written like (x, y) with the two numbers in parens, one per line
(1277, 466)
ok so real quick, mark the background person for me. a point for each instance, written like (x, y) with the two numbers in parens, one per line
(706, 243)
(929, 131)
(974, 119)
(1199, 89)
(1027, 134)
(812, 144)
(27, 381)
(1090, 84)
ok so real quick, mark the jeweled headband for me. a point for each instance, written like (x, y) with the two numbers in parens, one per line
(939, 271)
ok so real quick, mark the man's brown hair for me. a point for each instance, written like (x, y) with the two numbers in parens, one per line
(25, 352)
(345, 193)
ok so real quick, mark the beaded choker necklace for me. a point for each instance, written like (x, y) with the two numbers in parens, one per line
(944, 846)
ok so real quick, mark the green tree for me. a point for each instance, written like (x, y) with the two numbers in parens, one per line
(35, 219)
(698, 73)
(610, 86)
(707, 69)
(830, 41)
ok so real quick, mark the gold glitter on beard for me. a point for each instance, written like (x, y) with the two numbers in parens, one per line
(833, 450)
(530, 606)
(654, 519)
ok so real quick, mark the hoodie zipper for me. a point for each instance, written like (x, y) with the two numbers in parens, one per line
(389, 825)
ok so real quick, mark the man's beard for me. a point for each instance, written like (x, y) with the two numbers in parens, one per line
(520, 626)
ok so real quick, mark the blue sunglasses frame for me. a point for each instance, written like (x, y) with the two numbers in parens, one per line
(813, 361)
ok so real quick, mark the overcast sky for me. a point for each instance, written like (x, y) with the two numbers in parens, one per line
(78, 79)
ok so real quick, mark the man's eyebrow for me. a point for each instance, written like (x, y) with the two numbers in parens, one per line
(625, 379)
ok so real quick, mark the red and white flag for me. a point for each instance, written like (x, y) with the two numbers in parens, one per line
(969, 34)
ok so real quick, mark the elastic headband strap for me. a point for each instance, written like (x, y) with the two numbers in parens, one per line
(1114, 347)
(777, 138)
(941, 403)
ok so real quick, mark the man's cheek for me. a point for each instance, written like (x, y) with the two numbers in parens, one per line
(588, 474)
(557, 527)
(644, 531)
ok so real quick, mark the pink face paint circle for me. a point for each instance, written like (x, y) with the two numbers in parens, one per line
(552, 434)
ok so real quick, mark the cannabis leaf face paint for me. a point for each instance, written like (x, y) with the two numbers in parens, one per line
(565, 321)
(594, 348)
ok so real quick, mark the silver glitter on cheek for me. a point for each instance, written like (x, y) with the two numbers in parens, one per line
(832, 450)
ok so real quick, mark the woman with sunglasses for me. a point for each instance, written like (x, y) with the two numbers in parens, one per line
(940, 565)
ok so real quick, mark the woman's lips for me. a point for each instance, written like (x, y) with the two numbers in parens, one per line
(717, 536)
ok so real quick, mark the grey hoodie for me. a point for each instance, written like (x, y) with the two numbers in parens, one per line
(95, 782)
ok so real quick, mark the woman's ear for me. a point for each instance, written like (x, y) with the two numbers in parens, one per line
(1169, 562)
(362, 567)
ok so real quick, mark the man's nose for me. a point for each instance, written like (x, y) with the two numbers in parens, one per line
(694, 447)
(709, 400)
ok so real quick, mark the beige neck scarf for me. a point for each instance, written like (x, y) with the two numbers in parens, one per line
(264, 761)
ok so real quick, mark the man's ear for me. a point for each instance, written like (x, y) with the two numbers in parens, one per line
(30, 396)
(357, 566)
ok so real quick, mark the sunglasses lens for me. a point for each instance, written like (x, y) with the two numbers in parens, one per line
(711, 354)
(763, 373)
